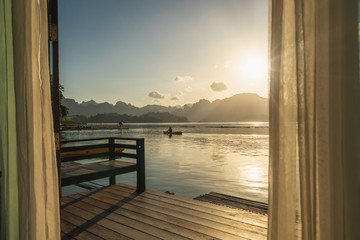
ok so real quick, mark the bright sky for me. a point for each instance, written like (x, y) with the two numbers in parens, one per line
(168, 52)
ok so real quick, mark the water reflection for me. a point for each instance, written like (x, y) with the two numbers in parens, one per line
(219, 157)
(253, 174)
(207, 157)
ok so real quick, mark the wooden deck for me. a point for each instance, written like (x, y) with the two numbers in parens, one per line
(118, 212)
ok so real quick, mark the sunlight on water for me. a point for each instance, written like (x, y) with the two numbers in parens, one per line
(230, 158)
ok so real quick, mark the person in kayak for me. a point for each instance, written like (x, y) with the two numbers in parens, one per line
(170, 130)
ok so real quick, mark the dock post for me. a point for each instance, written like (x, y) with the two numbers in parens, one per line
(112, 179)
(140, 162)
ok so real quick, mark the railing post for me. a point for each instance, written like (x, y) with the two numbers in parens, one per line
(140, 162)
(112, 179)
(111, 148)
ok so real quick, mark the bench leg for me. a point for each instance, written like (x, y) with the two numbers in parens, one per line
(112, 180)
(140, 187)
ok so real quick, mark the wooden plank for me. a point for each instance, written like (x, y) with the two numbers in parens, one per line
(100, 220)
(236, 199)
(217, 222)
(153, 218)
(234, 202)
(87, 152)
(73, 232)
(214, 225)
(83, 147)
(96, 229)
(178, 220)
(198, 204)
(244, 216)
(113, 213)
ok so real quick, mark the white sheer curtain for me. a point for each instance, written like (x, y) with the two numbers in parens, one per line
(30, 199)
(8, 154)
(314, 174)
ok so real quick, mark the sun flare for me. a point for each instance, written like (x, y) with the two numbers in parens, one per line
(253, 68)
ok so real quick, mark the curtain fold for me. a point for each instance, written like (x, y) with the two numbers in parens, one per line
(314, 115)
(9, 208)
(36, 170)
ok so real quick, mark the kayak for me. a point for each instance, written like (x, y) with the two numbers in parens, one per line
(173, 133)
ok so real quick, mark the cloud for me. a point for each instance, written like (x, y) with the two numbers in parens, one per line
(174, 99)
(184, 78)
(156, 95)
(218, 86)
(188, 89)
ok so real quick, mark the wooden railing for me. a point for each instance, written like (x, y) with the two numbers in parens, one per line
(110, 148)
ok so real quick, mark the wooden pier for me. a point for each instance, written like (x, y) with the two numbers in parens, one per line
(119, 212)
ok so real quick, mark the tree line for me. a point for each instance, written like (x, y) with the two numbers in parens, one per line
(151, 117)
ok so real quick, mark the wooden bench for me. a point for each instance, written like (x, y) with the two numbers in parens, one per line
(110, 148)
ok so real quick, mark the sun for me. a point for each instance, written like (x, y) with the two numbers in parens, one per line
(253, 68)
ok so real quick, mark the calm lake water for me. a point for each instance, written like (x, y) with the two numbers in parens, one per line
(229, 158)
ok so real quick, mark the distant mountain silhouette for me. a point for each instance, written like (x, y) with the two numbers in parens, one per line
(244, 107)
(196, 112)
(92, 108)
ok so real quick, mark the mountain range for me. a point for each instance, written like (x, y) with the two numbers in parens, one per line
(243, 107)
